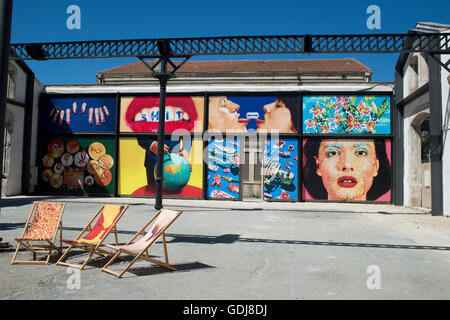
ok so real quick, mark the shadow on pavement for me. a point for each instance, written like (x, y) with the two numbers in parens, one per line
(230, 238)
(152, 269)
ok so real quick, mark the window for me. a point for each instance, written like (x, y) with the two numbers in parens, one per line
(11, 81)
(425, 140)
(6, 152)
(251, 171)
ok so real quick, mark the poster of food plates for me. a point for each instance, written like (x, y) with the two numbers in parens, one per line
(77, 165)
(78, 114)
(223, 169)
(281, 169)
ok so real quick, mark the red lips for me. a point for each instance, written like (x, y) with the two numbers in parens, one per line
(139, 103)
(347, 182)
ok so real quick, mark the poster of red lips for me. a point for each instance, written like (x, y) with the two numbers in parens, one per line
(141, 114)
(347, 169)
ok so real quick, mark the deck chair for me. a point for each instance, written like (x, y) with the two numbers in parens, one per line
(107, 218)
(39, 235)
(139, 249)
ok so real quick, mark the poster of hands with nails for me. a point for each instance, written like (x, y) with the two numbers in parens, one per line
(79, 114)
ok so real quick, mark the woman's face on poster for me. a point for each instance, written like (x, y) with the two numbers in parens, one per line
(347, 168)
(277, 117)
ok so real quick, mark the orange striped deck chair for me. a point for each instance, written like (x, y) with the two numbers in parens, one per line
(139, 249)
(107, 218)
(40, 231)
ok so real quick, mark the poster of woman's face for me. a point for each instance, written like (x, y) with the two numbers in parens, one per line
(347, 169)
(254, 114)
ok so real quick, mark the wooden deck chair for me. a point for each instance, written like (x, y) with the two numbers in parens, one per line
(39, 236)
(164, 218)
(108, 216)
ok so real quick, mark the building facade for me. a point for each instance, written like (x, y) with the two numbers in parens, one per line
(20, 170)
(291, 130)
(422, 84)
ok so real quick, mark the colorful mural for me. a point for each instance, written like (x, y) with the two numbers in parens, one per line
(64, 114)
(223, 176)
(347, 169)
(347, 114)
(254, 113)
(182, 170)
(281, 169)
(78, 165)
(141, 114)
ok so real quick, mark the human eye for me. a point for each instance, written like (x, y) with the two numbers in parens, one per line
(332, 153)
(361, 152)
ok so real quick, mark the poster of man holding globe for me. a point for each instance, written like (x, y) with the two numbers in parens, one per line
(182, 168)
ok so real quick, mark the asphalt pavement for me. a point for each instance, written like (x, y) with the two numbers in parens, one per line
(248, 250)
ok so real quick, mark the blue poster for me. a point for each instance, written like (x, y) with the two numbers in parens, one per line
(254, 113)
(347, 114)
(79, 114)
(281, 169)
(223, 169)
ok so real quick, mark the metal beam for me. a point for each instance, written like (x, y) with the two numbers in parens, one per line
(438, 43)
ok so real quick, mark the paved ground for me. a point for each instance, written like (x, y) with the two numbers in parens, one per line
(248, 250)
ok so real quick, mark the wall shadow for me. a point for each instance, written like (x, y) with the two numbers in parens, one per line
(231, 238)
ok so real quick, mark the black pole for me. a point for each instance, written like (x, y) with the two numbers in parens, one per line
(5, 38)
(436, 146)
(163, 77)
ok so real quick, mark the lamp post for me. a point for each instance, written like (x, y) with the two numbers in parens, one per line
(163, 79)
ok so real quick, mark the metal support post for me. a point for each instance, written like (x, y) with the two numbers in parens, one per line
(437, 201)
(5, 38)
(163, 79)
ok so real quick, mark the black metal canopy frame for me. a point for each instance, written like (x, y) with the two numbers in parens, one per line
(437, 43)
(166, 49)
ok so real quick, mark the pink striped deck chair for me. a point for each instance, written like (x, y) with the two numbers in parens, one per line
(107, 218)
(139, 249)
(39, 236)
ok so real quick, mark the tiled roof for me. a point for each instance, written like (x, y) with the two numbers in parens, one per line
(251, 66)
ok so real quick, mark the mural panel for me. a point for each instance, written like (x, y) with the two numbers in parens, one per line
(78, 114)
(281, 169)
(254, 113)
(223, 175)
(347, 169)
(347, 114)
(141, 114)
(182, 171)
(77, 165)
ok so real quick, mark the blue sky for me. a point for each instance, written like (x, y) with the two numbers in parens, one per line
(45, 21)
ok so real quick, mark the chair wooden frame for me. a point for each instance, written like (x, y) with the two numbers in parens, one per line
(37, 245)
(91, 248)
(140, 254)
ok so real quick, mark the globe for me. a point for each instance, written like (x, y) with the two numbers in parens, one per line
(176, 172)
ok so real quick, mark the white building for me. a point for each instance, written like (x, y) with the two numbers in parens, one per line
(414, 94)
(19, 172)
